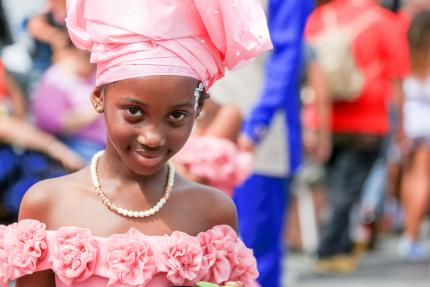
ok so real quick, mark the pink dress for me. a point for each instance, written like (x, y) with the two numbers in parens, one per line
(122, 260)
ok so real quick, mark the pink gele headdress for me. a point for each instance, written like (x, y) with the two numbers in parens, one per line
(194, 38)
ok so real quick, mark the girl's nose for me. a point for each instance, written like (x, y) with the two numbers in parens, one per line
(151, 137)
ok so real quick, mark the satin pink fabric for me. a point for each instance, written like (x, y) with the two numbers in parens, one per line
(194, 38)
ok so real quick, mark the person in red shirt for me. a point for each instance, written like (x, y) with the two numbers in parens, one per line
(358, 125)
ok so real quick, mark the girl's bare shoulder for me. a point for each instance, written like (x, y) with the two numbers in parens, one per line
(40, 199)
(212, 206)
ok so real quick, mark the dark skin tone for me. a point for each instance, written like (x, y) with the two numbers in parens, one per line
(148, 121)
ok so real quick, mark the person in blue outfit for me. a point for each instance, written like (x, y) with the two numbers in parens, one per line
(262, 200)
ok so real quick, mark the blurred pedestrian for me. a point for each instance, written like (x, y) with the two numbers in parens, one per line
(262, 200)
(61, 104)
(416, 177)
(48, 29)
(362, 64)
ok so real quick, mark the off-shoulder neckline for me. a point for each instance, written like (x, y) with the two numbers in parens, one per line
(134, 229)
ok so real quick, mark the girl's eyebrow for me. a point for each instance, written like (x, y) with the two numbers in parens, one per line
(140, 103)
(184, 105)
(134, 101)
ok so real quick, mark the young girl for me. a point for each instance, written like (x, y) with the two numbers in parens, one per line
(416, 183)
(128, 219)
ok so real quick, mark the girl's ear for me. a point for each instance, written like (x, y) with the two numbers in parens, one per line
(97, 99)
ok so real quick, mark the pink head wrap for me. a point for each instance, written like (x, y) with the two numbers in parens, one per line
(194, 38)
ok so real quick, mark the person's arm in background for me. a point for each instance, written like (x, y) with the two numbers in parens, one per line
(286, 24)
(16, 96)
(226, 124)
(398, 100)
(43, 31)
(323, 103)
(18, 132)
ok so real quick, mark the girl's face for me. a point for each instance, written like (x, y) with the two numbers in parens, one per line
(148, 119)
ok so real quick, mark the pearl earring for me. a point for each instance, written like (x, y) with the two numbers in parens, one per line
(99, 109)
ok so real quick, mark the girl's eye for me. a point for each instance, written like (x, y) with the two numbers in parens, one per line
(134, 111)
(177, 116)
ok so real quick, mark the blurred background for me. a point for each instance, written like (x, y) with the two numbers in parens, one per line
(324, 143)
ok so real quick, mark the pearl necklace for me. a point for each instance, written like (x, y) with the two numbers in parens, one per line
(125, 212)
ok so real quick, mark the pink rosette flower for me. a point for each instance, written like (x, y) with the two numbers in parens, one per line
(243, 264)
(217, 243)
(4, 266)
(217, 160)
(129, 259)
(74, 254)
(182, 259)
(26, 245)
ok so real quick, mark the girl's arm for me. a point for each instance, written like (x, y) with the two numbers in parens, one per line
(36, 204)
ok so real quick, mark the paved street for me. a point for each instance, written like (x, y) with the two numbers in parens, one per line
(383, 268)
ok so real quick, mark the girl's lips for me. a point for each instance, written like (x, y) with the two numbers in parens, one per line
(149, 158)
(149, 154)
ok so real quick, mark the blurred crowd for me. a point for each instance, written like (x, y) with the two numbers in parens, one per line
(48, 127)
(373, 64)
(355, 163)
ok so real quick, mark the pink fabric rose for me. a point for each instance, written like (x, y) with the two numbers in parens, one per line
(129, 259)
(26, 245)
(216, 159)
(217, 243)
(243, 264)
(74, 254)
(182, 259)
(4, 266)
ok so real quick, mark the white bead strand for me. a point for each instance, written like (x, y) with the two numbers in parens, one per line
(125, 212)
